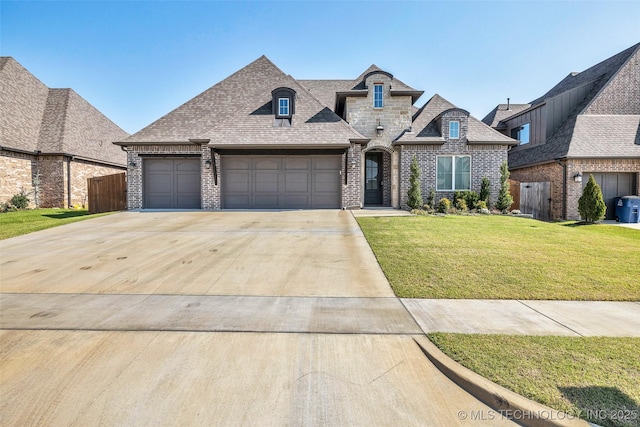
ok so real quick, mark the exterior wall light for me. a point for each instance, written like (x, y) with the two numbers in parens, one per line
(133, 164)
(379, 128)
(353, 163)
(577, 177)
(207, 164)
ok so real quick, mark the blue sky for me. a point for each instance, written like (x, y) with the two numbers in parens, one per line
(137, 60)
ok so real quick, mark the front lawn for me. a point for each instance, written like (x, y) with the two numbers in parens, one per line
(27, 221)
(597, 378)
(505, 257)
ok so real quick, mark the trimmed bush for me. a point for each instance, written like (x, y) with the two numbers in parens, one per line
(482, 205)
(485, 191)
(431, 198)
(415, 197)
(591, 204)
(444, 205)
(461, 205)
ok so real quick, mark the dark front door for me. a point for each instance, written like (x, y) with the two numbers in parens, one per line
(373, 179)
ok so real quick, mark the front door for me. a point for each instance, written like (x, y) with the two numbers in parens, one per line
(373, 179)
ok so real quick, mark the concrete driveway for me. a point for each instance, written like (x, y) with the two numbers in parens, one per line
(118, 320)
(289, 253)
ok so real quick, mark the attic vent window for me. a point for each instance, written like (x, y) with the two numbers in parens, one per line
(283, 106)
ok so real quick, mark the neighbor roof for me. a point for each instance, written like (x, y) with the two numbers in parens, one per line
(501, 112)
(598, 126)
(36, 118)
(426, 129)
(237, 112)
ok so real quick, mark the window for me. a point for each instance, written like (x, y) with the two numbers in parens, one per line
(377, 96)
(453, 173)
(283, 106)
(521, 133)
(454, 130)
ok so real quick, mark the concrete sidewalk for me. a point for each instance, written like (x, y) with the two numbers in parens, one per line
(527, 317)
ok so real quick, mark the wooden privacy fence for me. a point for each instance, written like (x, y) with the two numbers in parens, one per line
(107, 193)
(514, 190)
(535, 199)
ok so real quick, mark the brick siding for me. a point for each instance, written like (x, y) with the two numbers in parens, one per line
(16, 174)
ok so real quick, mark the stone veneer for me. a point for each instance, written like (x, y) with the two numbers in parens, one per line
(394, 116)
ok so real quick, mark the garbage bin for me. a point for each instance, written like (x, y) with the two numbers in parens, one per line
(628, 209)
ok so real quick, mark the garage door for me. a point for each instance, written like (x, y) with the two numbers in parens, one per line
(281, 182)
(612, 185)
(172, 183)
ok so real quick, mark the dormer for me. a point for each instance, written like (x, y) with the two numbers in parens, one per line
(453, 124)
(283, 102)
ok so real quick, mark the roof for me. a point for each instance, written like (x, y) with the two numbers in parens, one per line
(35, 118)
(501, 112)
(325, 90)
(603, 124)
(426, 127)
(237, 112)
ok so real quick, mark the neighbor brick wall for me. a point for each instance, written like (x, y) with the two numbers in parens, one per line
(135, 156)
(16, 171)
(586, 166)
(549, 172)
(622, 94)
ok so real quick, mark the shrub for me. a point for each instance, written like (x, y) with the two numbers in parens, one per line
(504, 197)
(481, 205)
(461, 205)
(470, 199)
(444, 205)
(485, 191)
(431, 198)
(591, 204)
(415, 197)
(20, 200)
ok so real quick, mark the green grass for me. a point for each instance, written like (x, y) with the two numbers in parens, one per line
(597, 378)
(505, 257)
(27, 221)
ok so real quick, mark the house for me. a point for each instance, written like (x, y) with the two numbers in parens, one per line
(262, 139)
(588, 123)
(51, 140)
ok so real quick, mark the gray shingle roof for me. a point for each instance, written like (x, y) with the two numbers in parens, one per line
(34, 117)
(425, 128)
(606, 134)
(237, 112)
(325, 90)
(498, 114)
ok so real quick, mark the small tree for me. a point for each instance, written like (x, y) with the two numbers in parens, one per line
(485, 191)
(504, 197)
(414, 193)
(591, 204)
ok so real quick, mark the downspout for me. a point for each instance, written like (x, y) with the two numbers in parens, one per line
(564, 188)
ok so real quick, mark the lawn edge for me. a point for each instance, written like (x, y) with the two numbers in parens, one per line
(527, 412)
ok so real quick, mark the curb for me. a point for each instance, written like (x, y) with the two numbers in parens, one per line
(511, 405)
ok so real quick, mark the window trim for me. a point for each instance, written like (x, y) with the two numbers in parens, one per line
(453, 172)
(280, 113)
(381, 86)
(458, 129)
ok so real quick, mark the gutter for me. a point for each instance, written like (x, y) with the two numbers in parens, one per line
(73, 156)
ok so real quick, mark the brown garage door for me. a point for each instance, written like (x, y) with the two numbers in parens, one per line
(612, 185)
(172, 183)
(281, 182)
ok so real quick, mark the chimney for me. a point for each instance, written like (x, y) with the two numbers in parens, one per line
(508, 104)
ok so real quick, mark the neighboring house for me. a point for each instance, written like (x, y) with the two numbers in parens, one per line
(589, 123)
(51, 140)
(262, 139)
